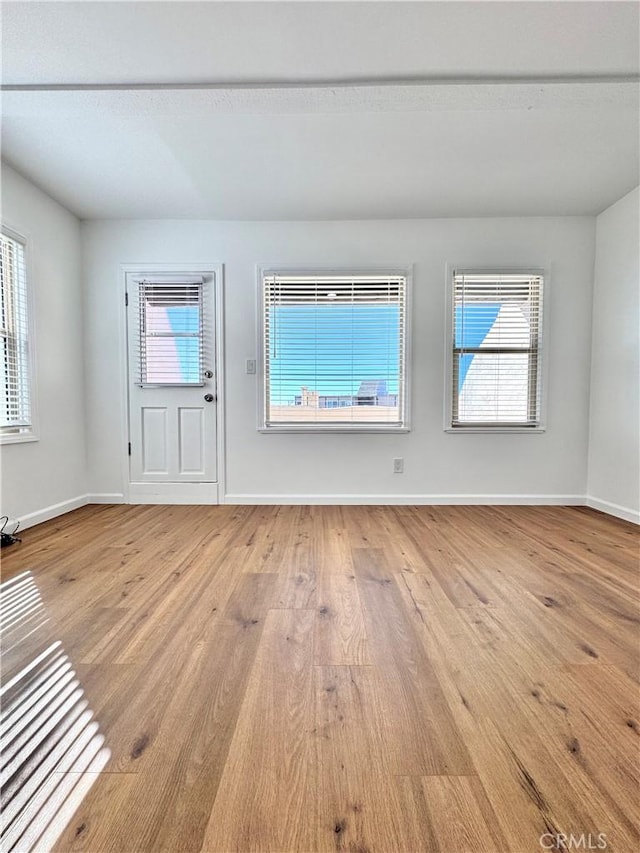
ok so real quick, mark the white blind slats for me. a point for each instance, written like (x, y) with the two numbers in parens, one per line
(171, 332)
(334, 349)
(15, 403)
(496, 342)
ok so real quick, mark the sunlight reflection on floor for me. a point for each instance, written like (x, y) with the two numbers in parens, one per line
(50, 745)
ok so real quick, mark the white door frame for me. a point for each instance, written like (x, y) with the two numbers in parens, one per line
(205, 493)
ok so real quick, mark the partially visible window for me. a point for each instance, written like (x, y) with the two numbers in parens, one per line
(171, 332)
(15, 404)
(497, 321)
(334, 352)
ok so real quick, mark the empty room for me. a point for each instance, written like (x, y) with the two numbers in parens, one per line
(320, 427)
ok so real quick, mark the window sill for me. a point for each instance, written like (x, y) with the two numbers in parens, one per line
(17, 438)
(463, 430)
(360, 429)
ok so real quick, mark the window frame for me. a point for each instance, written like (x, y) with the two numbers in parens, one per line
(480, 269)
(20, 435)
(328, 428)
(173, 283)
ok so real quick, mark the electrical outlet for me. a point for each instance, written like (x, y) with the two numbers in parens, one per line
(398, 465)
(250, 365)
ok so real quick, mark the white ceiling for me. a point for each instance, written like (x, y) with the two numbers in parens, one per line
(400, 109)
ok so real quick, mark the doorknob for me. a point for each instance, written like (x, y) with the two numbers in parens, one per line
(208, 374)
(209, 398)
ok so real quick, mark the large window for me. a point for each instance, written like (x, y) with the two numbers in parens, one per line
(495, 376)
(16, 420)
(334, 352)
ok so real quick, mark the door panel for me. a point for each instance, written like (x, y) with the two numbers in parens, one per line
(191, 428)
(172, 378)
(154, 441)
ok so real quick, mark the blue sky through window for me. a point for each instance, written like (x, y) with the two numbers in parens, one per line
(186, 319)
(332, 348)
(471, 328)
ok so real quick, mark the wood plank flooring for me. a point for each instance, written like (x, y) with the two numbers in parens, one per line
(358, 679)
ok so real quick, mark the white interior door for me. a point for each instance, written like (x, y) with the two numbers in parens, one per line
(172, 387)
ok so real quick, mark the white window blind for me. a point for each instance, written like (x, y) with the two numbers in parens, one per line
(334, 351)
(16, 380)
(496, 350)
(171, 332)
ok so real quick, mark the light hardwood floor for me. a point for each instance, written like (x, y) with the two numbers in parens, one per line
(358, 679)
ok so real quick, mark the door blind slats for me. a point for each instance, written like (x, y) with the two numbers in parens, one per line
(334, 350)
(496, 344)
(171, 332)
(15, 403)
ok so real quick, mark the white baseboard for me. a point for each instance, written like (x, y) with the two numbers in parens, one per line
(205, 496)
(153, 494)
(614, 509)
(173, 493)
(49, 512)
(408, 500)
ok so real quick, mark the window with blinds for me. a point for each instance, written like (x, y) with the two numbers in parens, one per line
(171, 332)
(496, 350)
(334, 351)
(16, 414)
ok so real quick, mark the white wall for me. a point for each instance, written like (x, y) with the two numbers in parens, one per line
(263, 467)
(38, 477)
(614, 446)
